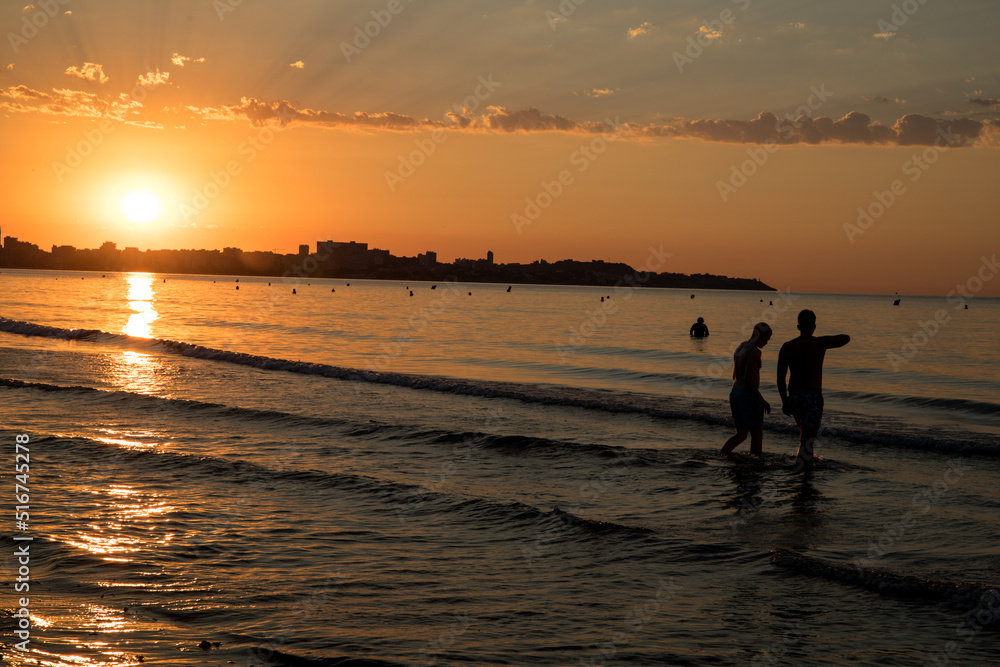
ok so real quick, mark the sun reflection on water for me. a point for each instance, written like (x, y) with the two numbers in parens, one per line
(140, 296)
(113, 538)
(137, 372)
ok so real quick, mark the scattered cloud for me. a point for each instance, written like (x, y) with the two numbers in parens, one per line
(884, 35)
(709, 33)
(986, 101)
(10, 67)
(152, 79)
(794, 25)
(882, 99)
(181, 61)
(64, 102)
(298, 64)
(599, 92)
(643, 29)
(89, 72)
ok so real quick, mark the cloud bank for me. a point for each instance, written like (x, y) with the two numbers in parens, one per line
(854, 128)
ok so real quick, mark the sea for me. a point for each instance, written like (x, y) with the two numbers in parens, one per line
(217, 470)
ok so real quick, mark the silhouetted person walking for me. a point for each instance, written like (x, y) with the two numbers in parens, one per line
(803, 356)
(745, 400)
(699, 329)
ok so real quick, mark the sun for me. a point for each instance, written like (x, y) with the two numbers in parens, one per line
(141, 206)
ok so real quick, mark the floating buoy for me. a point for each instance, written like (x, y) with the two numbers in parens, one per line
(896, 302)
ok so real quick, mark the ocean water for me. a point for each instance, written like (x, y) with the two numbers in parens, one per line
(350, 475)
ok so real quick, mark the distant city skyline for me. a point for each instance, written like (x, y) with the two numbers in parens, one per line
(351, 259)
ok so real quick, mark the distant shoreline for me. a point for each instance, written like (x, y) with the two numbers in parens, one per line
(444, 273)
(356, 261)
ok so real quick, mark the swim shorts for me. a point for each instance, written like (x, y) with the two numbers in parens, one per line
(807, 407)
(747, 410)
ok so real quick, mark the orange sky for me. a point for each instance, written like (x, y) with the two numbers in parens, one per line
(646, 153)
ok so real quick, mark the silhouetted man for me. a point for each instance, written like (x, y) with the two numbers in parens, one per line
(803, 356)
(745, 399)
(699, 329)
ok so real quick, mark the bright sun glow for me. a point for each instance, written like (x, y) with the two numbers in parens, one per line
(141, 206)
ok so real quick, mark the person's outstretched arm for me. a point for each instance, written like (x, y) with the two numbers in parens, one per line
(839, 340)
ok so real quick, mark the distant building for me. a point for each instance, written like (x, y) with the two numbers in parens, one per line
(428, 258)
(303, 250)
(378, 257)
(338, 255)
(131, 258)
(20, 254)
(489, 257)
(63, 256)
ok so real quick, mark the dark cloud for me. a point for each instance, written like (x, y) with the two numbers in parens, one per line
(853, 128)
(282, 113)
(532, 120)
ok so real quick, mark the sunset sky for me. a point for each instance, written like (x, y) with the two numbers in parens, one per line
(742, 136)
